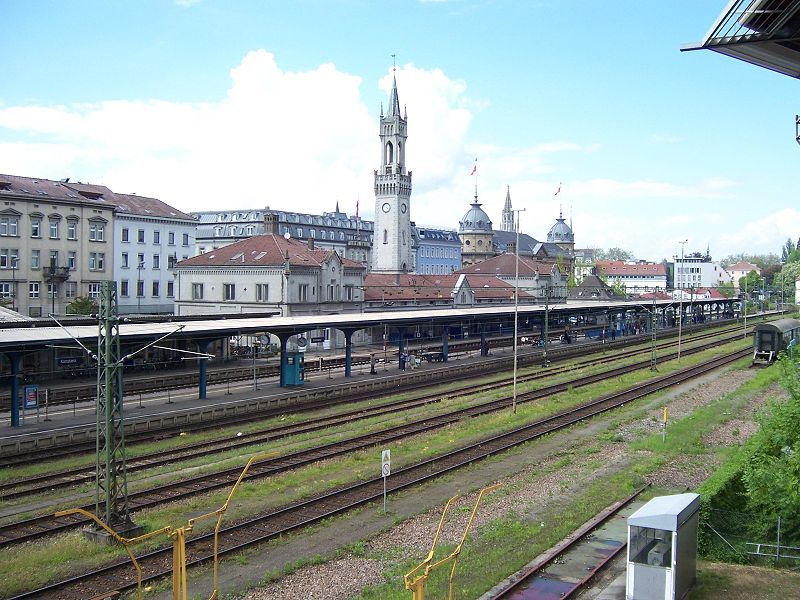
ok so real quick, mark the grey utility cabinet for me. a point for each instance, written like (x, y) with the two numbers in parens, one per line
(662, 548)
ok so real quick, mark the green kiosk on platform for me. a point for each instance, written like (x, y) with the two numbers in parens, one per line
(294, 366)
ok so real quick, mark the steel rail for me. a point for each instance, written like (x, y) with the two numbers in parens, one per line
(46, 525)
(157, 564)
(47, 482)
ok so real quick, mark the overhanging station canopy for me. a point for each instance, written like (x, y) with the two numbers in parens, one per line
(762, 32)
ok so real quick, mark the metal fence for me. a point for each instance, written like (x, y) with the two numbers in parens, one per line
(750, 538)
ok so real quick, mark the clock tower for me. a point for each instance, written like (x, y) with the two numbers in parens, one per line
(391, 246)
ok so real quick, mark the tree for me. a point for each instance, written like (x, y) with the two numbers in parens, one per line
(787, 250)
(618, 287)
(750, 282)
(727, 289)
(82, 306)
(613, 254)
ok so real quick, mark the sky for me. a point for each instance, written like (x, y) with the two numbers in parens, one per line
(220, 104)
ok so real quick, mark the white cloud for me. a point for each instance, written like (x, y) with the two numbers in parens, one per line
(303, 140)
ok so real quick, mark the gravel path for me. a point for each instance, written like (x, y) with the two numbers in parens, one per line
(526, 492)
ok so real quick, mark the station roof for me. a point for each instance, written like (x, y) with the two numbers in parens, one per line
(35, 337)
(762, 32)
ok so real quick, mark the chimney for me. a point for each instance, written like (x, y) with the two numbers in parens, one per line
(310, 243)
(270, 223)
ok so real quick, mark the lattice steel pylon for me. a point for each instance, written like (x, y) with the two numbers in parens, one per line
(111, 492)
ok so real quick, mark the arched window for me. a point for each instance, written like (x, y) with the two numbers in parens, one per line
(385, 236)
(389, 153)
(404, 238)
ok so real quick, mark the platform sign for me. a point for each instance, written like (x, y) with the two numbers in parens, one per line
(386, 463)
(31, 397)
(386, 470)
(318, 339)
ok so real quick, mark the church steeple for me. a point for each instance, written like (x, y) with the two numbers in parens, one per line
(507, 217)
(392, 231)
(394, 100)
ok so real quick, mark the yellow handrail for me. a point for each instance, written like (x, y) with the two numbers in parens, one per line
(417, 585)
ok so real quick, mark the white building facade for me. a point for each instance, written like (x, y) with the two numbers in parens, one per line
(699, 271)
(150, 237)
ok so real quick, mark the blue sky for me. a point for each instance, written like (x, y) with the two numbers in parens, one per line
(211, 104)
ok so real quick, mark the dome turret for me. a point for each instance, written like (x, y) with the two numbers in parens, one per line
(475, 220)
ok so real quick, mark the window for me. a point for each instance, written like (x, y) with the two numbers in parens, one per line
(123, 288)
(4, 262)
(97, 232)
(8, 226)
(156, 289)
(170, 289)
(302, 292)
(140, 261)
(171, 238)
(312, 233)
(35, 259)
(94, 290)
(140, 236)
(33, 289)
(385, 236)
(72, 258)
(197, 291)
(53, 258)
(70, 289)
(124, 260)
(299, 232)
(36, 228)
(171, 260)
(5, 290)
(140, 289)
(52, 290)
(349, 292)
(53, 229)
(156, 237)
(229, 291)
(125, 237)
(185, 239)
(156, 261)
(97, 261)
(262, 292)
(72, 230)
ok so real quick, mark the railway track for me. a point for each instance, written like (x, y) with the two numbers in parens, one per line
(568, 568)
(48, 482)
(75, 448)
(199, 549)
(46, 525)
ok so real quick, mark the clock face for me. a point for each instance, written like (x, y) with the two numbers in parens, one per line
(385, 208)
(403, 207)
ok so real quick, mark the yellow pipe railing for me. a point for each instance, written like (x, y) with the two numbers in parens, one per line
(416, 585)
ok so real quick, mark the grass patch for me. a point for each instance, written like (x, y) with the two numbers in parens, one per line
(261, 496)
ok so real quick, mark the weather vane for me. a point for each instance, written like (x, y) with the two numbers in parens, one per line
(394, 65)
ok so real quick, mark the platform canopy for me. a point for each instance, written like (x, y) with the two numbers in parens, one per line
(762, 32)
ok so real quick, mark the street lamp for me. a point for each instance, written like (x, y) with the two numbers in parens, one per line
(516, 307)
(680, 301)
(139, 288)
(14, 263)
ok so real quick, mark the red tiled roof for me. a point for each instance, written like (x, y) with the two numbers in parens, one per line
(66, 191)
(149, 207)
(743, 265)
(266, 250)
(45, 190)
(505, 265)
(618, 267)
(389, 288)
(659, 296)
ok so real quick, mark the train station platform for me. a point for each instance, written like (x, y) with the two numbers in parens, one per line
(57, 424)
